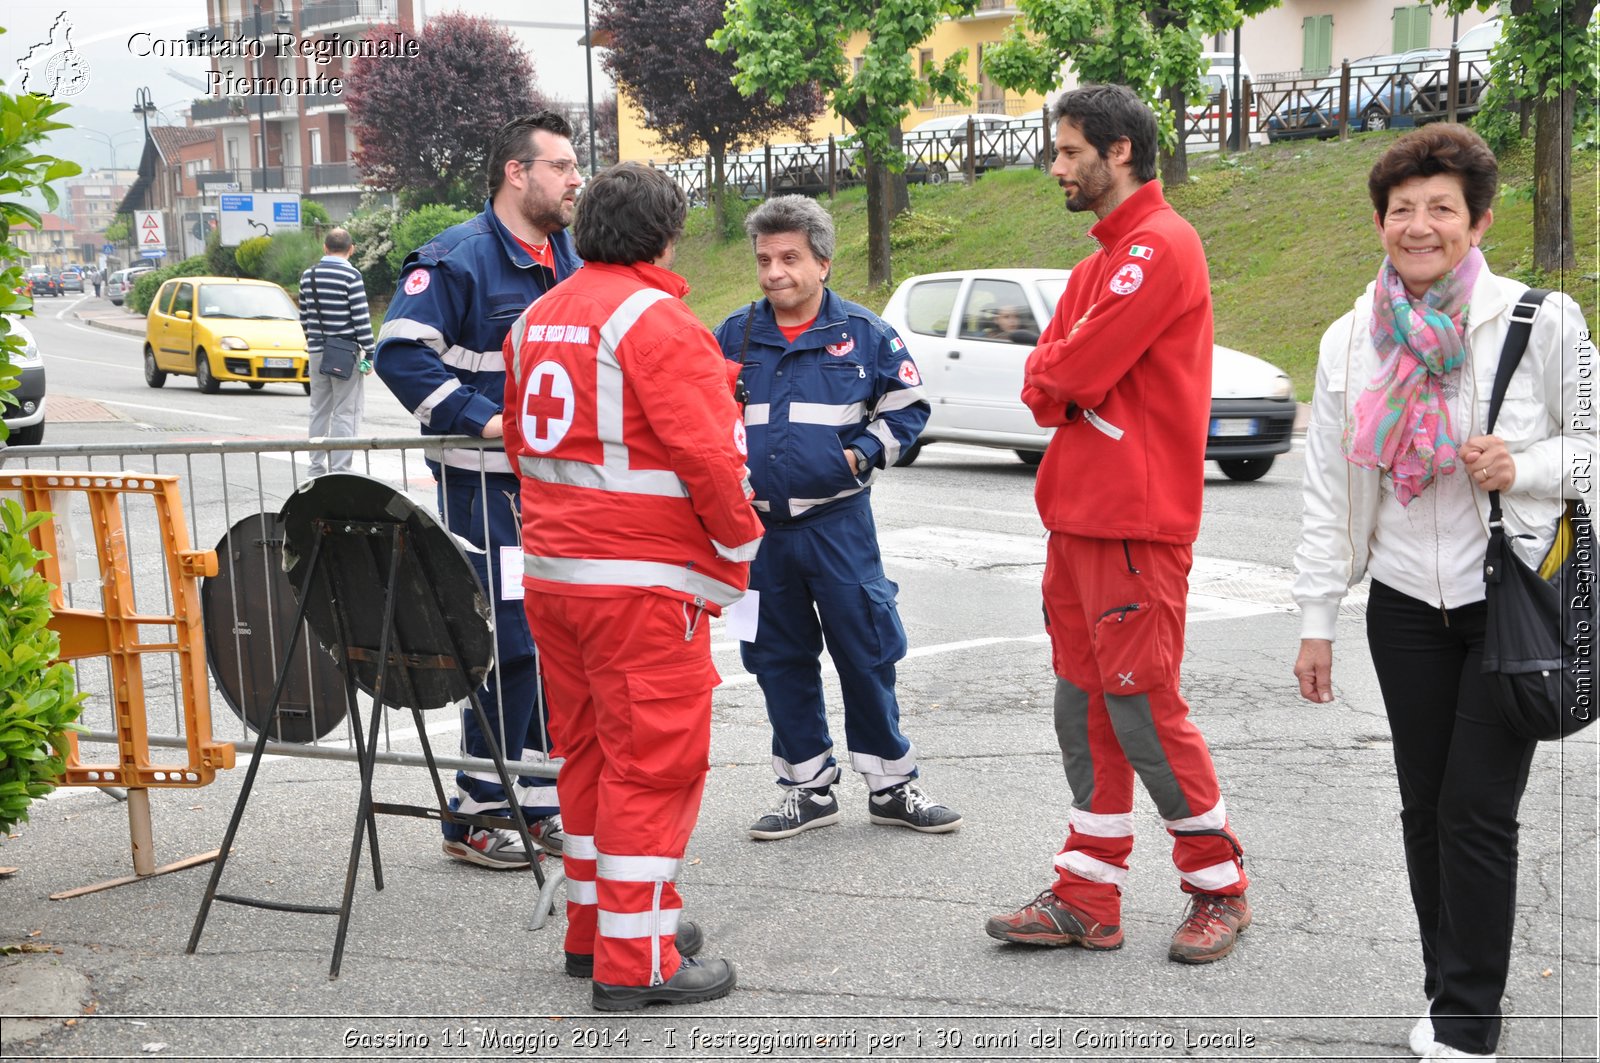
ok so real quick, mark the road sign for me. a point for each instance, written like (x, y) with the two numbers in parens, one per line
(106, 249)
(152, 233)
(249, 214)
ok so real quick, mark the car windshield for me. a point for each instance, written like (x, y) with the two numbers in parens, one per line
(251, 302)
(1052, 290)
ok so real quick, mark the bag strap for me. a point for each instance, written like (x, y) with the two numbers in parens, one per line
(316, 298)
(741, 394)
(1517, 334)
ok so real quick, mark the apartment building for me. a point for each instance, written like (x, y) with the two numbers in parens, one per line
(299, 138)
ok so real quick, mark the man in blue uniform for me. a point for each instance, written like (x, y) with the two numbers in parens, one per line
(833, 397)
(441, 352)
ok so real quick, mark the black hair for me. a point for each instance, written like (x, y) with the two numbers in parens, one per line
(1104, 114)
(514, 141)
(629, 213)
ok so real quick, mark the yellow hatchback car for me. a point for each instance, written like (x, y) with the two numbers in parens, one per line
(224, 328)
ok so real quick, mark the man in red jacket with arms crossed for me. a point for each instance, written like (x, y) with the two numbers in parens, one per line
(1123, 373)
(622, 424)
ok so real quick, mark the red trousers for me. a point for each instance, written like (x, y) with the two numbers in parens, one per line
(1115, 610)
(629, 679)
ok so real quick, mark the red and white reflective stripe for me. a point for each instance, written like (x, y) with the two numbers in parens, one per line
(636, 868)
(580, 891)
(1101, 824)
(615, 572)
(831, 414)
(579, 847)
(1215, 819)
(608, 373)
(743, 552)
(1213, 878)
(1087, 867)
(655, 923)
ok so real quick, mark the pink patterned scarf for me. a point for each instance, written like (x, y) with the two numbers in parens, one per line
(1400, 422)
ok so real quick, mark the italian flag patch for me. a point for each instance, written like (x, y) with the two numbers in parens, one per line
(1141, 251)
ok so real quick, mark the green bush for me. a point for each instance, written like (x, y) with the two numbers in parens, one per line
(313, 214)
(420, 226)
(144, 289)
(372, 229)
(37, 699)
(219, 259)
(250, 255)
(289, 255)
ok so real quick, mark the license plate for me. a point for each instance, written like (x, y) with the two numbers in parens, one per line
(277, 363)
(1233, 426)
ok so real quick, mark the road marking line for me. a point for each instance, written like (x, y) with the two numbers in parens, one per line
(168, 409)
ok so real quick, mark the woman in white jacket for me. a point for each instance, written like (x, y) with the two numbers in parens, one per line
(1398, 473)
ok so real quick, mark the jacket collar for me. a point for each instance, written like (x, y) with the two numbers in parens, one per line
(830, 315)
(1129, 214)
(648, 274)
(563, 254)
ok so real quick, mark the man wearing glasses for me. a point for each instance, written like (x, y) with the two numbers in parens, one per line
(440, 352)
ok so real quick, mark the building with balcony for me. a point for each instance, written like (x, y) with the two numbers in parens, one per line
(54, 243)
(300, 142)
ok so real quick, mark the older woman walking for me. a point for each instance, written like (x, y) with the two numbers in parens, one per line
(1399, 468)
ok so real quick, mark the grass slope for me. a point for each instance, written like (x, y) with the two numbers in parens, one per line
(1287, 228)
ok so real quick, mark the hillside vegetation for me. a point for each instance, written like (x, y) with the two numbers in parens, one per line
(1288, 231)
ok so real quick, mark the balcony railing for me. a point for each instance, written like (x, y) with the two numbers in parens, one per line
(226, 29)
(334, 175)
(316, 100)
(328, 12)
(209, 108)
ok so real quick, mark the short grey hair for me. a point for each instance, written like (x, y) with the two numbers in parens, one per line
(793, 214)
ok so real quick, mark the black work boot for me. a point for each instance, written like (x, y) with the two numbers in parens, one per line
(694, 983)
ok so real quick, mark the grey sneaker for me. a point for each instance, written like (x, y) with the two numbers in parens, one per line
(907, 806)
(499, 849)
(800, 810)
(547, 834)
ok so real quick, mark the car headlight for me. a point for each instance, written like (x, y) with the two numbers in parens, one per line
(234, 343)
(1282, 388)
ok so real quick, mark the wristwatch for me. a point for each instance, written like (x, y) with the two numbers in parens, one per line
(862, 467)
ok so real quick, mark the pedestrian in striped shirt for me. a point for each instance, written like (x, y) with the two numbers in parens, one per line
(333, 302)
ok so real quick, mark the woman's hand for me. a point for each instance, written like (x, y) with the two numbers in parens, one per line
(1314, 669)
(1489, 463)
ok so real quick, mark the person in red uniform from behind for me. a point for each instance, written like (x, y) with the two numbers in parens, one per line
(632, 456)
(1123, 373)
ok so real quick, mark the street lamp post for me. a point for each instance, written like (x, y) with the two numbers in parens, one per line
(110, 140)
(261, 101)
(143, 105)
(588, 69)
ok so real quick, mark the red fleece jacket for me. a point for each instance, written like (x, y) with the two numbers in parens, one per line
(1123, 372)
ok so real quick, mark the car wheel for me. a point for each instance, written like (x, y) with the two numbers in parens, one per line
(30, 436)
(202, 373)
(1245, 469)
(256, 385)
(1374, 121)
(152, 375)
(908, 455)
(937, 174)
(1031, 457)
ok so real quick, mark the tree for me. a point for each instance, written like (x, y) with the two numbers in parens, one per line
(1547, 56)
(660, 56)
(423, 122)
(783, 46)
(119, 228)
(1151, 46)
(37, 701)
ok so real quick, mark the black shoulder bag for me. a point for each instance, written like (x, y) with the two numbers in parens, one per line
(1540, 639)
(339, 353)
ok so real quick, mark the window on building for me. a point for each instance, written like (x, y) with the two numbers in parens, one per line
(315, 146)
(1413, 27)
(991, 97)
(1317, 49)
(924, 69)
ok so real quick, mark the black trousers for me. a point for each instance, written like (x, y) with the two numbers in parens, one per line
(1462, 774)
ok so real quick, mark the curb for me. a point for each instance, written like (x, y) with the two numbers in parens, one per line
(105, 326)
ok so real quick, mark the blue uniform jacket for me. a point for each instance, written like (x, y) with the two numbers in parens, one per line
(847, 381)
(440, 349)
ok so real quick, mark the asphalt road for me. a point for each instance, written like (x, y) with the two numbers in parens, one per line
(854, 941)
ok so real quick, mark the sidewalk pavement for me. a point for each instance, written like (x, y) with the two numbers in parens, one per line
(102, 314)
(852, 941)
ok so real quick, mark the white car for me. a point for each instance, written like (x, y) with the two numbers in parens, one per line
(971, 332)
(25, 419)
(120, 283)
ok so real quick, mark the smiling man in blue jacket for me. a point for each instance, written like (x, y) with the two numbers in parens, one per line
(440, 352)
(833, 398)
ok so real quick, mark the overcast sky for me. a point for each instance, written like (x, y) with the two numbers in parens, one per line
(548, 29)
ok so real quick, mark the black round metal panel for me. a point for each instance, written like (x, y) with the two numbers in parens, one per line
(248, 610)
(441, 646)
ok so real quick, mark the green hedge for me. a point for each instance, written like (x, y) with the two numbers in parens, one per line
(144, 289)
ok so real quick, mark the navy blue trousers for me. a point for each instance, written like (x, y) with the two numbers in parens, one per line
(820, 581)
(510, 694)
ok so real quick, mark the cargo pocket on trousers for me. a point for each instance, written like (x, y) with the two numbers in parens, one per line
(669, 711)
(886, 626)
(1133, 650)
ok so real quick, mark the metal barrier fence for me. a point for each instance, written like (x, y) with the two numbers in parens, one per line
(223, 483)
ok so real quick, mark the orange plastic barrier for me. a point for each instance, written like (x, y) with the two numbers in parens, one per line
(115, 631)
